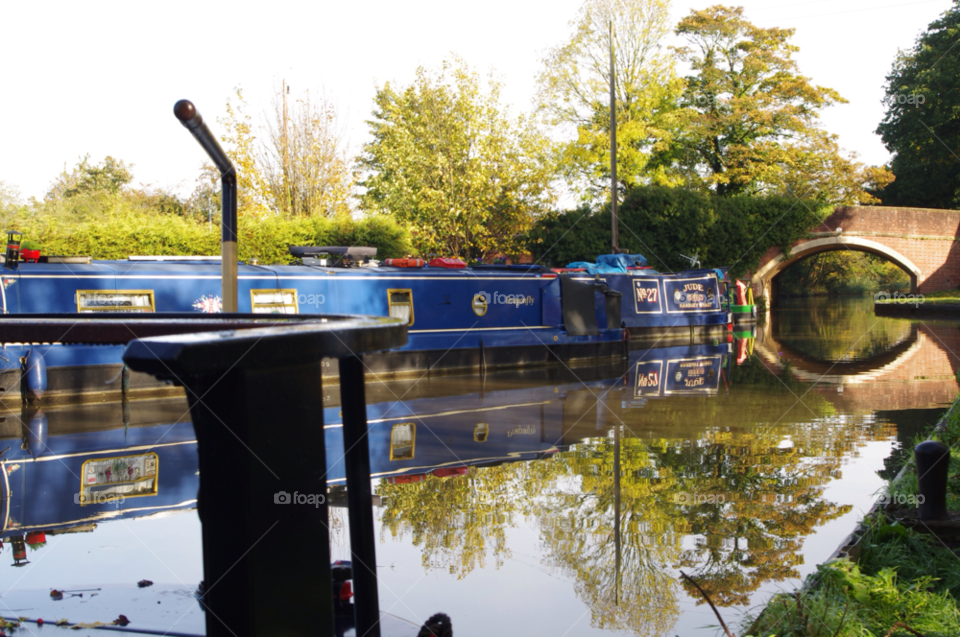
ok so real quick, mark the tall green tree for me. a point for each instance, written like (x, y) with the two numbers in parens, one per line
(920, 125)
(573, 94)
(448, 161)
(751, 121)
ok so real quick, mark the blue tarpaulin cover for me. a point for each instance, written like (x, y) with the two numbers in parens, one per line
(611, 263)
(622, 260)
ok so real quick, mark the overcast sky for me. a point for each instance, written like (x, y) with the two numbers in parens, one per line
(102, 77)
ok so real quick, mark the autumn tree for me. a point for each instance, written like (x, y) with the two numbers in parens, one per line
(9, 197)
(447, 160)
(573, 94)
(295, 163)
(920, 124)
(750, 121)
(242, 146)
(304, 158)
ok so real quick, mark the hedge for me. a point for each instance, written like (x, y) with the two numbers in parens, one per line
(663, 223)
(119, 233)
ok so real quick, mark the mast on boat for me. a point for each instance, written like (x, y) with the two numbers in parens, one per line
(614, 221)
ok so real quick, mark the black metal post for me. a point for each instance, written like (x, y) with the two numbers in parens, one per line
(359, 497)
(933, 461)
(187, 113)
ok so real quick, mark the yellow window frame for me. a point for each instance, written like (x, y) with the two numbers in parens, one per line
(254, 306)
(391, 303)
(481, 432)
(84, 500)
(479, 304)
(413, 441)
(115, 308)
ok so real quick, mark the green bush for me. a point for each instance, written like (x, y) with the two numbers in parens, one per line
(663, 223)
(122, 230)
(851, 603)
(845, 272)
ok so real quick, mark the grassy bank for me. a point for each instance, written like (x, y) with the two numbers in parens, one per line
(903, 583)
(946, 297)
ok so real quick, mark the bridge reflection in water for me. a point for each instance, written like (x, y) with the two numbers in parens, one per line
(878, 364)
(580, 493)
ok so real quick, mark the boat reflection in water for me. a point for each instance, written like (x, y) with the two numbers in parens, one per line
(525, 417)
(71, 468)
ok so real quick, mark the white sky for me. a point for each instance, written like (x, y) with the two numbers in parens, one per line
(102, 77)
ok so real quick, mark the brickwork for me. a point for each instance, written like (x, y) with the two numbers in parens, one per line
(924, 222)
(926, 237)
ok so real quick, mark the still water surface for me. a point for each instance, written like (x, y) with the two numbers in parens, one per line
(549, 502)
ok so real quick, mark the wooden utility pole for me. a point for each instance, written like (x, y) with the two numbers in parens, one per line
(286, 161)
(614, 221)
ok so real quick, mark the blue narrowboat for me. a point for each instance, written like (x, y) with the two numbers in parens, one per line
(459, 318)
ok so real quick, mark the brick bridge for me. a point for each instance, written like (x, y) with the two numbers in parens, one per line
(921, 241)
(918, 371)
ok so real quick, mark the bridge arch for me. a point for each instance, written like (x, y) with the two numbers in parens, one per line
(765, 277)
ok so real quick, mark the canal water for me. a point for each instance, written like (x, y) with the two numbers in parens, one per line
(561, 501)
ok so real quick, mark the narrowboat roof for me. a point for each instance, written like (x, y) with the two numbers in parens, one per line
(212, 268)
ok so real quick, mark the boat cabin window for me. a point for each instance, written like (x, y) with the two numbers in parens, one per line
(403, 437)
(481, 431)
(274, 302)
(114, 301)
(401, 304)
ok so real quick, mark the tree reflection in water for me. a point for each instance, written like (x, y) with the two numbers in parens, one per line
(456, 520)
(730, 504)
(823, 329)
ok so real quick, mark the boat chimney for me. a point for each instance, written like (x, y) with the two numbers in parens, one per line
(187, 113)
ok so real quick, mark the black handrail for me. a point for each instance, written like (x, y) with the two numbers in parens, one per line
(187, 113)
